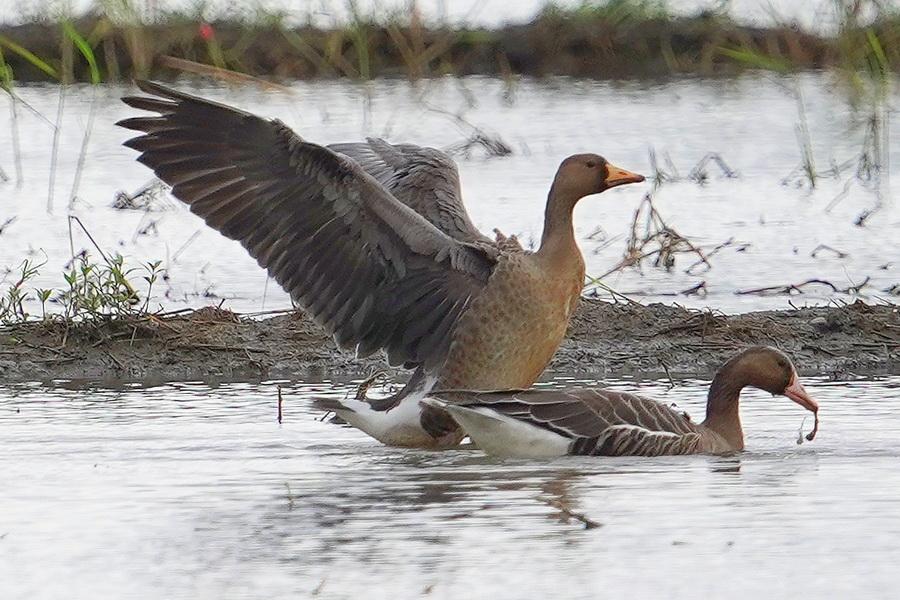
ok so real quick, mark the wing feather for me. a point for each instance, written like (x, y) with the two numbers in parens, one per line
(365, 265)
(425, 179)
(597, 421)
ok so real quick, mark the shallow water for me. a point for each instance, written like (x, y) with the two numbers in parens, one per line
(187, 490)
(191, 491)
(750, 120)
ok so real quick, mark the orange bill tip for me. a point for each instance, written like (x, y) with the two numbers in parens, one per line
(618, 176)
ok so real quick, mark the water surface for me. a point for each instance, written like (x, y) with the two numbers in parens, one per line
(192, 491)
(750, 120)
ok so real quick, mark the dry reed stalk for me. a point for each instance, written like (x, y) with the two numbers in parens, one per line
(16, 142)
(308, 51)
(651, 236)
(82, 155)
(54, 152)
(280, 402)
(798, 288)
(112, 63)
(222, 74)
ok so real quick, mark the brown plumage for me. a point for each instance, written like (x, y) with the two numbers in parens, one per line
(610, 423)
(373, 241)
(424, 179)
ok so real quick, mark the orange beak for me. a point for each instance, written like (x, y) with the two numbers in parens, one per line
(616, 176)
(798, 394)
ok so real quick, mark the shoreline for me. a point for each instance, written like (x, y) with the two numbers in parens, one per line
(604, 339)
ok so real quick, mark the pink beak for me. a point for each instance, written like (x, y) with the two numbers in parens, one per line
(798, 394)
(795, 392)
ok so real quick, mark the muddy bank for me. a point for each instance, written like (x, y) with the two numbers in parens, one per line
(604, 339)
(579, 43)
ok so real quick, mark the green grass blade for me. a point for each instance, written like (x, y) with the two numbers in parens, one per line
(84, 48)
(6, 73)
(877, 50)
(28, 55)
(755, 59)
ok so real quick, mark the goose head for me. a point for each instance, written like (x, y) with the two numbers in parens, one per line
(761, 367)
(582, 175)
(771, 370)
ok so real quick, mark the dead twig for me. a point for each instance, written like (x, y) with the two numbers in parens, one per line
(704, 262)
(700, 173)
(115, 360)
(672, 384)
(797, 288)
(280, 401)
(659, 174)
(864, 216)
(651, 237)
(187, 243)
(222, 347)
(599, 285)
(6, 224)
(695, 290)
(568, 513)
(491, 144)
(826, 247)
(150, 197)
(190, 66)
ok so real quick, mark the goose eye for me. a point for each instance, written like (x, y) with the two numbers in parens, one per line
(591, 164)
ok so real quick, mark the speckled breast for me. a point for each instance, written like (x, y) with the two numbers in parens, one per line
(512, 330)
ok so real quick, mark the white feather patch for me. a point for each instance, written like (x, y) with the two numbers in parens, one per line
(505, 436)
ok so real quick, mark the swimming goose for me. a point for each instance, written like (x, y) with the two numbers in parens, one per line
(537, 424)
(373, 241)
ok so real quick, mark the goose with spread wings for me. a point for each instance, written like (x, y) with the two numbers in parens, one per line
(372, 240)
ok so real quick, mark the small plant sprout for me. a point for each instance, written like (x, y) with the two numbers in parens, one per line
(153, 272)
(43, 295)
(12, 303)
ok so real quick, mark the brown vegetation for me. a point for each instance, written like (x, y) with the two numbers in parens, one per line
(576, 43)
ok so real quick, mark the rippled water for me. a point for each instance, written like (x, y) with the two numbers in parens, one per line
(184, 490)
(750, 120)
(192, 491)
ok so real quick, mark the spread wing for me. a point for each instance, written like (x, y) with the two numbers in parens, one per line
(599, 422)
(424, 179)
(368, 268)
